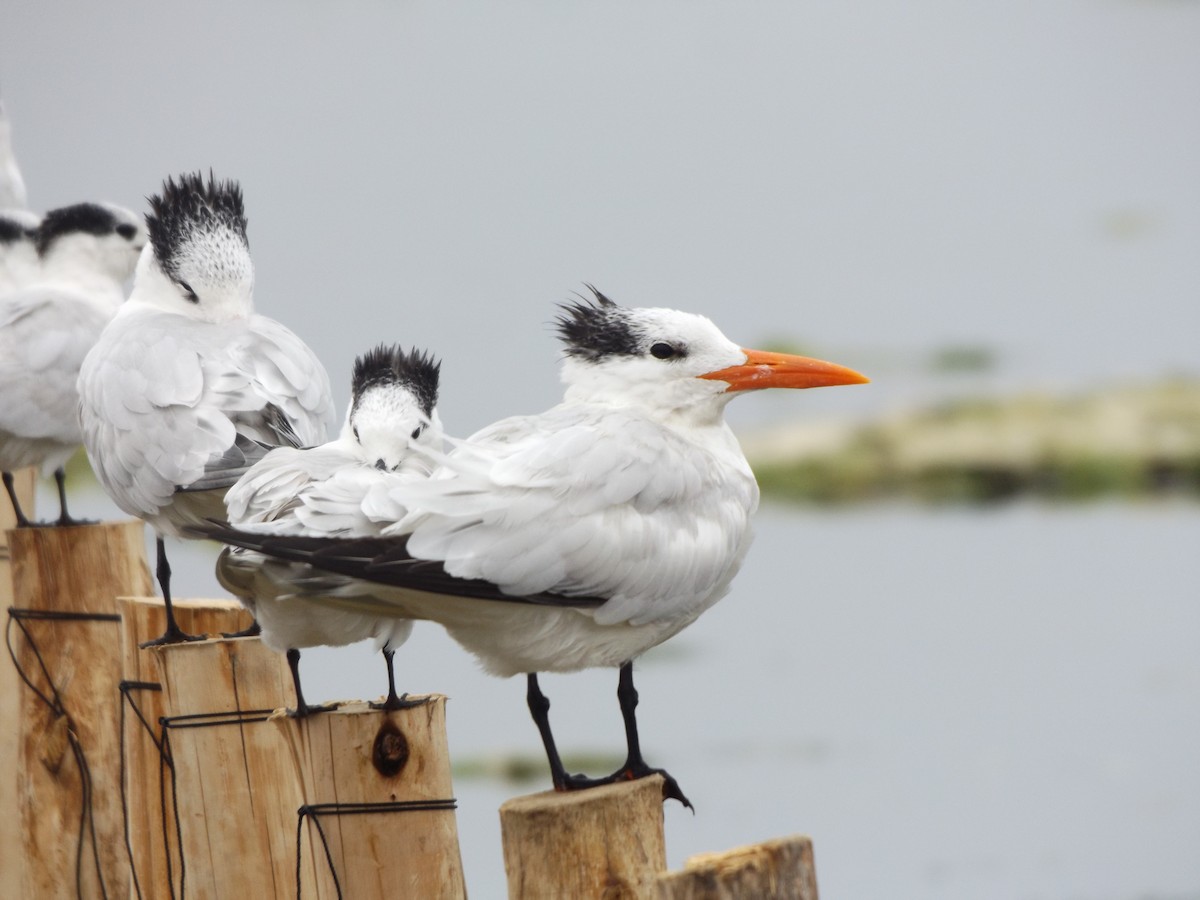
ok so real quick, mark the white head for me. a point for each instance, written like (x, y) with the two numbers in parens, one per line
(393, 408)
(90, 242)
(197, 263)
(18, 249)
(673, 365)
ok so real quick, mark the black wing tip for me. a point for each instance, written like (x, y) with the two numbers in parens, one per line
(380, 560)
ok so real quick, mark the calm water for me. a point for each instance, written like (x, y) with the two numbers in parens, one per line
(998, 704)
(952, 704)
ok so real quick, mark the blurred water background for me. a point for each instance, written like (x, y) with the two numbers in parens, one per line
(993, 701)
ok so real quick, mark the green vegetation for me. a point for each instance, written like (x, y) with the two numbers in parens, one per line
(520, 768)
(1122, 442)
(964, 358)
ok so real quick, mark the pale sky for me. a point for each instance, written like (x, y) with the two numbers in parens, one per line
(863, 178)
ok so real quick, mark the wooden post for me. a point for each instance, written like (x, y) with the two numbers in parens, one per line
(394, 767)
(605, 842)
(65, 635)
(143, 619)
(12, 862)
(237, 795)
(780, 869)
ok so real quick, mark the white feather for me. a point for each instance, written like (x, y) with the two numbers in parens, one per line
(46, 330)
(326, 491)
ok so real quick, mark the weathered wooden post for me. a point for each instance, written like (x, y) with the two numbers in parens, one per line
(145, 773)
(12, 861)
(780, 869)
(64, 633)
(605, 842)
(378, 801)
(236, 793)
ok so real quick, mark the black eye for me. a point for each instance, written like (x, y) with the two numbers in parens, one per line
(416, 432)
(188, 292)
(356, 437)
(662, 350)
(126, 231)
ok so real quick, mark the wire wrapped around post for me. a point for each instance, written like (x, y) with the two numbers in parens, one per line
(150, 826)
(378, 810)
(64, 641)
(235, 794)
(12, 858)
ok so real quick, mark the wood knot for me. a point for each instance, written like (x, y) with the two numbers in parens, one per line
(390, 752)
(54, 743)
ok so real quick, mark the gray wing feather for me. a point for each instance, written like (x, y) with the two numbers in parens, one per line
(170, 404)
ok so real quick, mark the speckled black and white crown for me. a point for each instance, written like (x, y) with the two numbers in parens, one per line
(595, 329)
(415, 371)
(190, 208)
(80, 218)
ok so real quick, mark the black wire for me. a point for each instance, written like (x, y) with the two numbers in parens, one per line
(53, 700)
(126, 688)
(211, 720)
(315, 810)
(192, 720)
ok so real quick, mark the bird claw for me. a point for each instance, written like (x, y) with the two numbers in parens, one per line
(671, 789)
(310, 709)
(394, 703)
(173, 635)
(252, 630)
(66, 521)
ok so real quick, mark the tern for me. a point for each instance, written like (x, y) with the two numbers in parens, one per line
(587, 534)
(391, 433)
(187, 387)
(83, 255)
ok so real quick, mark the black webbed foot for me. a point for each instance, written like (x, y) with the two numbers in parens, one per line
(252, 630)
(173, 635)
(400, 701)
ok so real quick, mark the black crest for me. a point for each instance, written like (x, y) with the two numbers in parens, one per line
(192, 205)
(415, 370)
(595, 329)
(82, 218)
(12, 231)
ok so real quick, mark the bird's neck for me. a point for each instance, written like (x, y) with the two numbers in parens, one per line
(83, 270)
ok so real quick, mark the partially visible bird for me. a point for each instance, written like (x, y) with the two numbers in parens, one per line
(12, 185)
(187, 386)
(391, 434)
(587, 534)
(85, 253)
(19, 265)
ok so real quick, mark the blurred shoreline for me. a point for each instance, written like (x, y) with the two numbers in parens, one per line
(1128, 440)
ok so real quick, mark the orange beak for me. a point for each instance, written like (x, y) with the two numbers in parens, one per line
(783, 370)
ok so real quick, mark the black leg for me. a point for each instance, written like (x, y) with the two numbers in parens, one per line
(302, 708)
(293, 658)
(539, 708)
(394, 700)
(174, 634)
(64, 518)
(22, 522)
(635, 766)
